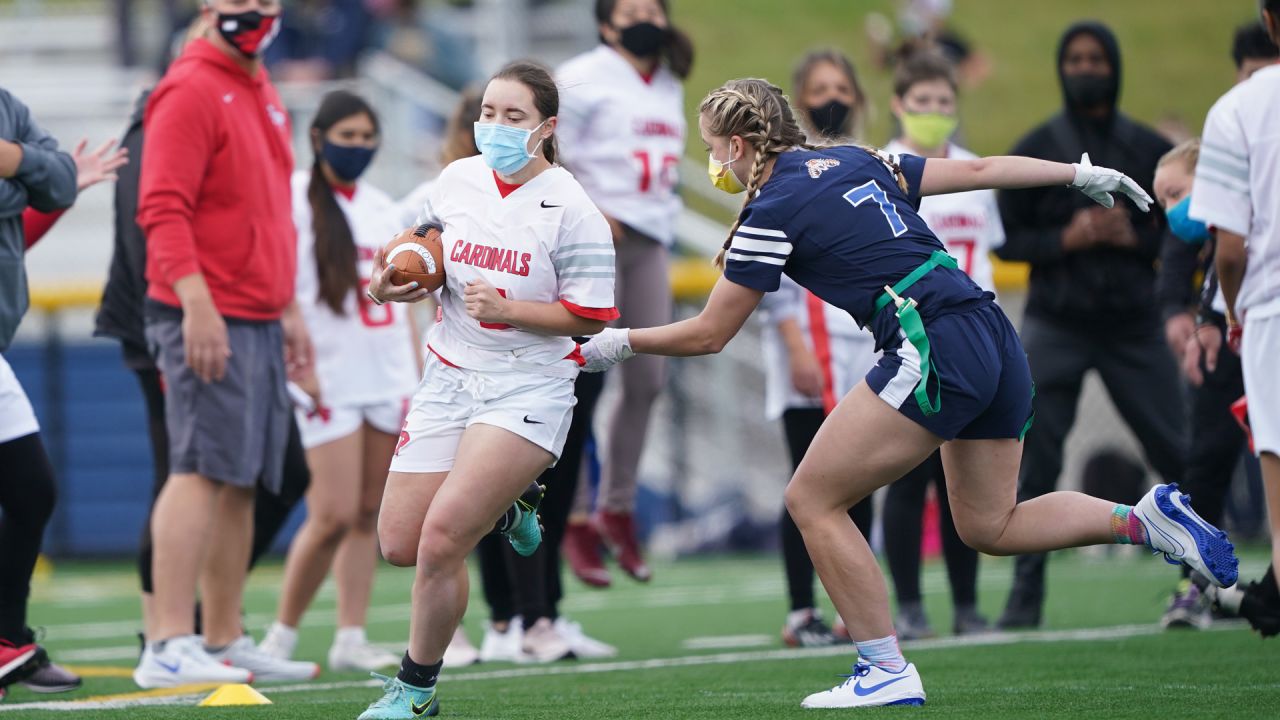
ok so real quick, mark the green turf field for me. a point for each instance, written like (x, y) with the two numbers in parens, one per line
(701, 642)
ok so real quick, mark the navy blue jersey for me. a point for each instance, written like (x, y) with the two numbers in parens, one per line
(836, 222)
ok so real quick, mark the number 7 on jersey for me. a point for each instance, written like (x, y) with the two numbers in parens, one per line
(870, 190)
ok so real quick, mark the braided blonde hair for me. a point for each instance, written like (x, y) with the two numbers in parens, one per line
(758, 112)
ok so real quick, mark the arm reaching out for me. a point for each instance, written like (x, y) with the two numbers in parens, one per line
(1010, 172)
(706, 333)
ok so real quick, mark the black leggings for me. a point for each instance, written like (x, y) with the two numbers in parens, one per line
(903, 524)
(800, 426)
(27, 497)
(530, 586)
(270, 511)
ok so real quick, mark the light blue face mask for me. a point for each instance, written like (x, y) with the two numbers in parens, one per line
(1192, 232)
(505, 148)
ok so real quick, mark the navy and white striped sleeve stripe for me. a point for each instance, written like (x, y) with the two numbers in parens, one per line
(584, 260)
(760, 245)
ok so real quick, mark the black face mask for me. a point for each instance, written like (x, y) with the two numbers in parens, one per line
(1088, 90)
(828, 118)
(644, 39)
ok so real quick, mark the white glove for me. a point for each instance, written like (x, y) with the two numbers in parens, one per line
(1099, 182)
(610, 347)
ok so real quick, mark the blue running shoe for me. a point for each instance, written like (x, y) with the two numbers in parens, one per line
(1175, 530)
(521, 522)
(402, 701)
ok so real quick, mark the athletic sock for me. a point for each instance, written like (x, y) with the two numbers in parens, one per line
(419, 676)
(1126, 528)
(350, 636)
(883, 653)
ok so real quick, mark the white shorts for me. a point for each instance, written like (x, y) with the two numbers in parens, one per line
(17, 419)
(1258, 355)
(326, 424)
(451, 399)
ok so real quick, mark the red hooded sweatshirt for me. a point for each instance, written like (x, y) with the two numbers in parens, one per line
(214, 196)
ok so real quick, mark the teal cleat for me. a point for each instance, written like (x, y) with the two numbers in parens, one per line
(522, 526)
(402, 701)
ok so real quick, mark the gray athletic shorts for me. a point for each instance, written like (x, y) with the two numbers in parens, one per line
(232, 430)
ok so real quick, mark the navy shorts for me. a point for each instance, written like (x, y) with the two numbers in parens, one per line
(983, 379)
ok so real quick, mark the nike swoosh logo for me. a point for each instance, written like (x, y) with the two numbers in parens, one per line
(420, 709)
(171, 668)
(533, 422)
(865, 691)
(545, 205)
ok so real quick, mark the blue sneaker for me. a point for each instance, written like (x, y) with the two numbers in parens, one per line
(402, 701)
(871, 686)
(1175, 530)
(523, 529)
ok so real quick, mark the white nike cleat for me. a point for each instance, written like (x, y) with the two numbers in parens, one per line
(351, 650)
(1175, 530)
(503, 646)
(460, 652)
(280, 641)
(183, 661)
(542, 644)
(583, 646)
(244, 653)
(870, 686)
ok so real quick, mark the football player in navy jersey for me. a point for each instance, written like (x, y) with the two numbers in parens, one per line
(842, 222)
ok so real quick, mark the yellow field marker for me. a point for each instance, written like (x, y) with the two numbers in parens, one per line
(158, 692)
(100, 671)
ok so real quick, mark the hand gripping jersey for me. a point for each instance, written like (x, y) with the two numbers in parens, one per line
(835, 221)
(967, 223)
(543, 241)
(366, 355)
(622, 134)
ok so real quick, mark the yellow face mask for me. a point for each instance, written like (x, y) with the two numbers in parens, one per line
(722, 176)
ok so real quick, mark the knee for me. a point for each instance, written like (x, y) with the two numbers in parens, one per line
(399, 549)
(799, 504)
(366, 521)
(982, 534)
(439, 552)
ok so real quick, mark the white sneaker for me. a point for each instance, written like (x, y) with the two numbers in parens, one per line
(351, 650)
(245, 653)
(280, 641)
(869, 686)
(460, 652)
(183, 661)
(582, 645)
(543, 644)
(1174, 529)
(503, 646)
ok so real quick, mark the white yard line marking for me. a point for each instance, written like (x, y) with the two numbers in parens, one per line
(721, 642)
(1046, 636)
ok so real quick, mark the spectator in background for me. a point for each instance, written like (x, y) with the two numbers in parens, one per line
(214, 203)
(1235, 191)
(968, 224)
(37, 183)
(1196, 338)
(368, 361)
(120, 316)
(623, 129)
(1091, 300)
(319, 40)
(816, 351)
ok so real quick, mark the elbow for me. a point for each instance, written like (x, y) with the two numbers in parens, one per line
(590, 327)
(713, 343)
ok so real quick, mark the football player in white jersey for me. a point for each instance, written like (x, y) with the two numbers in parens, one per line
(529, 264)
(968, 224)
(623, 127)
(366, 369)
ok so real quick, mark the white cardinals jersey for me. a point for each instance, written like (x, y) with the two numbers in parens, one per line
(543, 241)
(367, 354)
(844, 351)
(622, 134)
(967, 223)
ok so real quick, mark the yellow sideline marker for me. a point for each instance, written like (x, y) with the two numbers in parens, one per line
(143, 694)
(100, 671)
(238, 694)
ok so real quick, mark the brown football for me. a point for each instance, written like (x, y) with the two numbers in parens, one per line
(417, 254)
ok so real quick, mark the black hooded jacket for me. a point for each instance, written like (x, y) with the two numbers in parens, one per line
(120, 315)
(1104, 284)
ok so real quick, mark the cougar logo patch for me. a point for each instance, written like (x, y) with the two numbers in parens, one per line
(817, 166)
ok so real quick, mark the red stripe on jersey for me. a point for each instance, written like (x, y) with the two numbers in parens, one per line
(605, 314)
(822, 349)
(443, 359)
(576, 356)
(505, 189)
